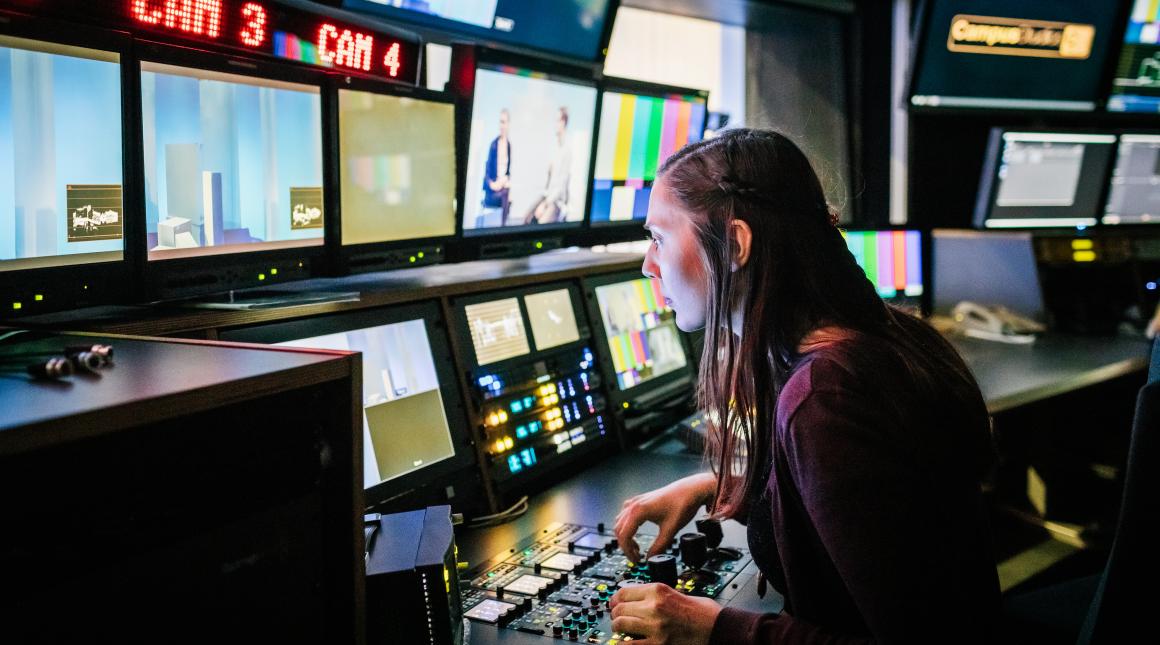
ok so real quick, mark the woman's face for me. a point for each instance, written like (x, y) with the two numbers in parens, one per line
(674, 257)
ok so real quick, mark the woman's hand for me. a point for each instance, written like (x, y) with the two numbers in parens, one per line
(663, 615)
(670, 507)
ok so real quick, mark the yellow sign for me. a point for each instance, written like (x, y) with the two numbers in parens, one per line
(1018, 37)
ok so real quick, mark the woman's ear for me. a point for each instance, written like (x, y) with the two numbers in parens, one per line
(742, 241)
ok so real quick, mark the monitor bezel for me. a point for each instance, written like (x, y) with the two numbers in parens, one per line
(429, 312)
(628, 229)
(668, 380)
(989, 178)
(474, 243)
(172, 278)
(106, 282)
(463, 332)
(347, 254)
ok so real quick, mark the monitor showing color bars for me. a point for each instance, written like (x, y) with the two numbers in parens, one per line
(892, 260)
(637, 133)
(641, 331)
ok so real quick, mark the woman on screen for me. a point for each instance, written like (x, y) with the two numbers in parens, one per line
(855, 438)
(497, 173)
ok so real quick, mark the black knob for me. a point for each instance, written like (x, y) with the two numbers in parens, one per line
(571, 546)
(594, 601)
(499, 593)
(573, 634)
(506, 616)
(591, 615)
(712, 530)
(542, 594)
(663, 568)
(600, 527)
(596, 557)
(537, 567)
(563, 580)
(694, 551)
(526, 605)
(557, 631)
(614, 543)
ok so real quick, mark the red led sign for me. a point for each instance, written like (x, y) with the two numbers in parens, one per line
(262, 26)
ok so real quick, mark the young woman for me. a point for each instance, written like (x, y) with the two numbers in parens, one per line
(857, 438)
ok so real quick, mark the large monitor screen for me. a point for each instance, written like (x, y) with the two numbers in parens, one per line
(1136, 86)
(497, 330)
(1036, 54)
(987, 267)
(637, 133)
(641, 330)
(891, 259)
(397, 157)
(531, 141)
(1134, 192)
(572, 28)
(232, 163)
(60, 155)
(552, 318)
(1037, 179)
(404, 423)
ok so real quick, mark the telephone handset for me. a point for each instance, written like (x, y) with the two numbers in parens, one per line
(995, 323)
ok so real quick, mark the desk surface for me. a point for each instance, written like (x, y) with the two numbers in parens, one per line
(1015, 375)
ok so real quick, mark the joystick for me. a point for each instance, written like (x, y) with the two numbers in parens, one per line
(712, 530)
(663, 568)
(694, 550)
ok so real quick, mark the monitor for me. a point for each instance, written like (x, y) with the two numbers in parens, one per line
(529, 151)
(892, 260)
(61, 156)
(579, 29)
(639, 129)
(397, 166)
(1042, 179)
(413, 425)
(233, 164)
(497, 330)
(1136, 81)
(1134, 190)
(1037, 54)
(552, 318)
(640, 331)
(986, 267)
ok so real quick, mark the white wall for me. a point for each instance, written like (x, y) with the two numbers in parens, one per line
(686, 52)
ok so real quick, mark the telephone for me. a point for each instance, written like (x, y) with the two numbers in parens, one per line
(995, 323)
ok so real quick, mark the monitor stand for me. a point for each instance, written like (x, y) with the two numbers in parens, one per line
(268, 299)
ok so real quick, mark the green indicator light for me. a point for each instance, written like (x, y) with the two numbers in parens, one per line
(412, 258)
(86, 287)
(420, 255)
(17, 305)
(261, 276)
(38, 297)
(539, 245)
(273, 271)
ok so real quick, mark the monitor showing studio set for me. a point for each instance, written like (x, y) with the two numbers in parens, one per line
(62, 211)
(397, 175)
(530, 144)
(1037, 179)
(641, 125)
(415, 439)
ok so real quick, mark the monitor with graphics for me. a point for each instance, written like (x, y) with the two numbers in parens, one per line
(640, 330)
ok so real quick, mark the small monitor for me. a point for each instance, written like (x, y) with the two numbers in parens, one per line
(574, 28)
(552, 318)
(1043, 179)
(641, 331)
(397, 166)
(413, 429)
(497, 330)
(1136, 82)
(529, 151)
(995, 54)
(232, 163)
(986, 267)
(892, 259)
(61, 164)
(1134, 190)
(639, 130)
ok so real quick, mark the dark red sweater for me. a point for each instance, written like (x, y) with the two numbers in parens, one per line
(869, 525)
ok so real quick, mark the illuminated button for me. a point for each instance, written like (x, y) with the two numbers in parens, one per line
(493, 419)
(503, 416)
(507, 442)
(499, 445)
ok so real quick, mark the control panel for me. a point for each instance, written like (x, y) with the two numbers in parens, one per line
(558, 583)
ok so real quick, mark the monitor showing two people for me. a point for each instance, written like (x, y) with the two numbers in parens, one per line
(529, 151)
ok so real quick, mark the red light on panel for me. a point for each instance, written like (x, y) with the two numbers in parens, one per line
(350, 49)
(254, 33)
(199, 17)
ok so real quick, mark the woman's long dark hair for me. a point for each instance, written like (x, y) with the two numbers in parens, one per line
(800, 276)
